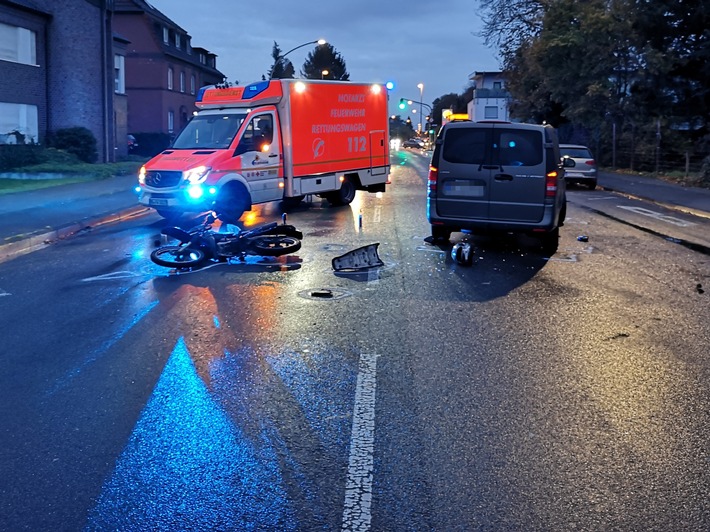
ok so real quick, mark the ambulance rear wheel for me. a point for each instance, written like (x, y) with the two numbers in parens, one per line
(344, 196)
(291, 202)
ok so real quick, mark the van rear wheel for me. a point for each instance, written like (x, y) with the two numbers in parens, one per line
(550, 241)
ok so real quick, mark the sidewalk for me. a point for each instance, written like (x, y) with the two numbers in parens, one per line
(30, 220)
(693, 200)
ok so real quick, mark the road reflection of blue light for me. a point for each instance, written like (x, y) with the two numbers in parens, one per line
(108, 344)
(187, 466)
(304, 374)
(216, 321)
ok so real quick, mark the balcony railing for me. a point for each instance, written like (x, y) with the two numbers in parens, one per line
(490, 93)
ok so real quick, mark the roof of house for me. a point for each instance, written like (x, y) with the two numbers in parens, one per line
(26, 4)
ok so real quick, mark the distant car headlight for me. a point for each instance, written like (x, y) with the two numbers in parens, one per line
(196, 175)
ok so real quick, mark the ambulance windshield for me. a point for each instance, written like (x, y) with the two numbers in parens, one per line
(209, 130)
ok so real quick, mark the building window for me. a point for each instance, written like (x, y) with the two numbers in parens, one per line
(182, 82)
(490, 112)
(192, 84)
(18, 123)
(497, 85)
(202, 59)
(177, 41)
(170, 78)
(119, 68)
(18, 44)
(171, 121)
(166, 35)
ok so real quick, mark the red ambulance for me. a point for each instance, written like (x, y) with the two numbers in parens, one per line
(273, 140)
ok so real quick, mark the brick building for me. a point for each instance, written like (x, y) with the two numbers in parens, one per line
(70, 63)
(163, 69)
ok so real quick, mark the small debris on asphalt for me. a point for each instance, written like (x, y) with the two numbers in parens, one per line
(322, 293)
(583, 238)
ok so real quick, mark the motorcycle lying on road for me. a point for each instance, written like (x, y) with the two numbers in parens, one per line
(201, 245)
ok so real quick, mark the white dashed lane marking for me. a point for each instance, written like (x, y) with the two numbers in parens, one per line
(357, 514)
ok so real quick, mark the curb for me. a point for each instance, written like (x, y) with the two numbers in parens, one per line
(39, 241)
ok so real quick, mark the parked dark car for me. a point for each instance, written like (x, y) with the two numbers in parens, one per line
(413, 143)
(584, 169)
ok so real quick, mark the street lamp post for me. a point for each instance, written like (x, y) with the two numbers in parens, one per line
(279, 58)
(324, 73)
(421, 115)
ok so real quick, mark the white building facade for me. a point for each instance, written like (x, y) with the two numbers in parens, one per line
(490, 97)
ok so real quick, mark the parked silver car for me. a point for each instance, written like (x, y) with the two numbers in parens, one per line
(497, 177)
(584, 169)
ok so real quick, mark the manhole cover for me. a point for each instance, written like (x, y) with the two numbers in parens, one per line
(324, 294)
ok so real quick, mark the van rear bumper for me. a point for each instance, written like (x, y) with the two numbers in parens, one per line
(549, 222)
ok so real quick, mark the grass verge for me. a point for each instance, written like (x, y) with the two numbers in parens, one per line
(66, 174)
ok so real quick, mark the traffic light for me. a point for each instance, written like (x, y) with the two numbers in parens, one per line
(402, 103)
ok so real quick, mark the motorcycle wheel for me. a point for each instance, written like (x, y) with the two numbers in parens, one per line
(177, 256)
(274, 245)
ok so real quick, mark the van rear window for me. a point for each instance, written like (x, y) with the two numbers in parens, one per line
(466, 146)
(498, 146)
(519, 147)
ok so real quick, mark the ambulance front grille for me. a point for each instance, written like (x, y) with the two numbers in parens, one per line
(162, 178)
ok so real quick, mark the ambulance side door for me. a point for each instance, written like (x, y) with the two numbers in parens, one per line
(259, 149)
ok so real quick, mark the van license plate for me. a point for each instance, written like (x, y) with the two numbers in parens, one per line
(158, 201)
(461, 188)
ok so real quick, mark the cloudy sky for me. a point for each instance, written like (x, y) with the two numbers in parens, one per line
(410, 42)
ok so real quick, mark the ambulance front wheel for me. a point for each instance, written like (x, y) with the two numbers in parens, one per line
(232, 201)
(344, 196)
(170, 216)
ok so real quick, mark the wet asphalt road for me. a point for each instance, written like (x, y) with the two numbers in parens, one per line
(523, 393)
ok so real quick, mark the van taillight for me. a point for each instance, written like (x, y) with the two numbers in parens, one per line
(433, 178)
(551, 184)
(590, 163)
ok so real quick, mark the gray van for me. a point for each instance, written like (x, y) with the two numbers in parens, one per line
(496, 177)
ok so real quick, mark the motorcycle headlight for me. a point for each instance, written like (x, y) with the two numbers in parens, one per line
(197, 175)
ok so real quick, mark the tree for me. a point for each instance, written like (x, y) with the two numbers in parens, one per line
(508, 24)
(401, 129)
(456, 102)
(324, 57)
(282, 67)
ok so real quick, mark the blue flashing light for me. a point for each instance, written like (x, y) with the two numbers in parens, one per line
(511, 144)
(212, 191)
(253, 89)
(389, 85)
(201, 93)
(195, 192)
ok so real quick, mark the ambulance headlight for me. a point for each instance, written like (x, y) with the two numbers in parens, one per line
(141, 175)
(196, 175)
